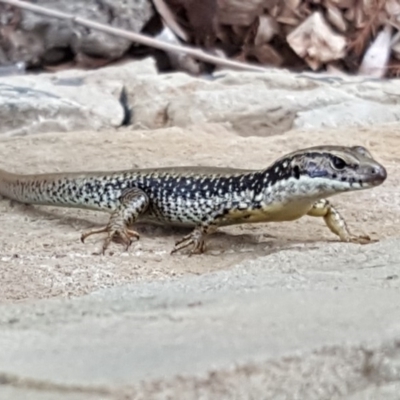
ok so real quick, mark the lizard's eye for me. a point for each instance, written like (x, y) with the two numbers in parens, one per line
(338, 163)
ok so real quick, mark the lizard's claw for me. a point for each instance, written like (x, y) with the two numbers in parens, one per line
(362, 239)
(195, 238)
(123, 236)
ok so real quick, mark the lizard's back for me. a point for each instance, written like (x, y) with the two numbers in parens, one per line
(183, 195)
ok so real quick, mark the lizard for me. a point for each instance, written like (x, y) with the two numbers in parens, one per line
(206, 198)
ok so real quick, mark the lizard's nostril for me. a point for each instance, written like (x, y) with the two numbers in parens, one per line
(379, 173)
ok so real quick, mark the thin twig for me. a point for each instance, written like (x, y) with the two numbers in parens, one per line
(134, 37)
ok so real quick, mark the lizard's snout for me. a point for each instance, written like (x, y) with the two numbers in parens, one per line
(377, 174)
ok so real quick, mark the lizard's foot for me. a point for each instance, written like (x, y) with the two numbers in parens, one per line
(133, 202)
(122, 235)
(336, 223)
(362, 239)
(195, 239)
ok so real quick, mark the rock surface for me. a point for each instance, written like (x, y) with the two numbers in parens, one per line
(263, 104)
(278, 311)
(37, 39)
(66, 101)
(253, 104)
(284, 321)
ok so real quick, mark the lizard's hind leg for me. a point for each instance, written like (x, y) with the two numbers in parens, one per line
(133, 202)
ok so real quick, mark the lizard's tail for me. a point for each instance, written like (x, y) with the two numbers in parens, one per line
(26, 189)
(7, 184)
(56, 189)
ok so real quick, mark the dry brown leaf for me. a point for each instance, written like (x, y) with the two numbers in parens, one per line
(238, 12)
(272, 7)
(392, 7)
(395, 46)
(267, 29)
(342, 3)
(274, 12)
(359, 15)
(376, 58)
(198, 17)
(242, 32)
(169, 19)
(373, 18)
(255, 43)
(266, 55)
(292, 21)
(349, 14)
(203, 18)
(292, 4)
(393, 69)
(289, 14)
(293, 12)
(335, 17)
(315, 41)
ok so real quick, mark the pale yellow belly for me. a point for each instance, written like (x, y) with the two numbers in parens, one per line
(271, 213)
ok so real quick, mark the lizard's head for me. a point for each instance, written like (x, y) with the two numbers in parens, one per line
(328, 170)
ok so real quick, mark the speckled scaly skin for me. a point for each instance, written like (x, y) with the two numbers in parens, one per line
(205, 198)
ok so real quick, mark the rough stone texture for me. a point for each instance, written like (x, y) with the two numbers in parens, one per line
(276, 311)
(34, 37)
(29, 393)
(350, 112)
(67, 101)
(252, 104)
(287, 328)
(262, 104)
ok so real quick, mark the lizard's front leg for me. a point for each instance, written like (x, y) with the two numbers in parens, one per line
(335, 222)
(133, 202)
